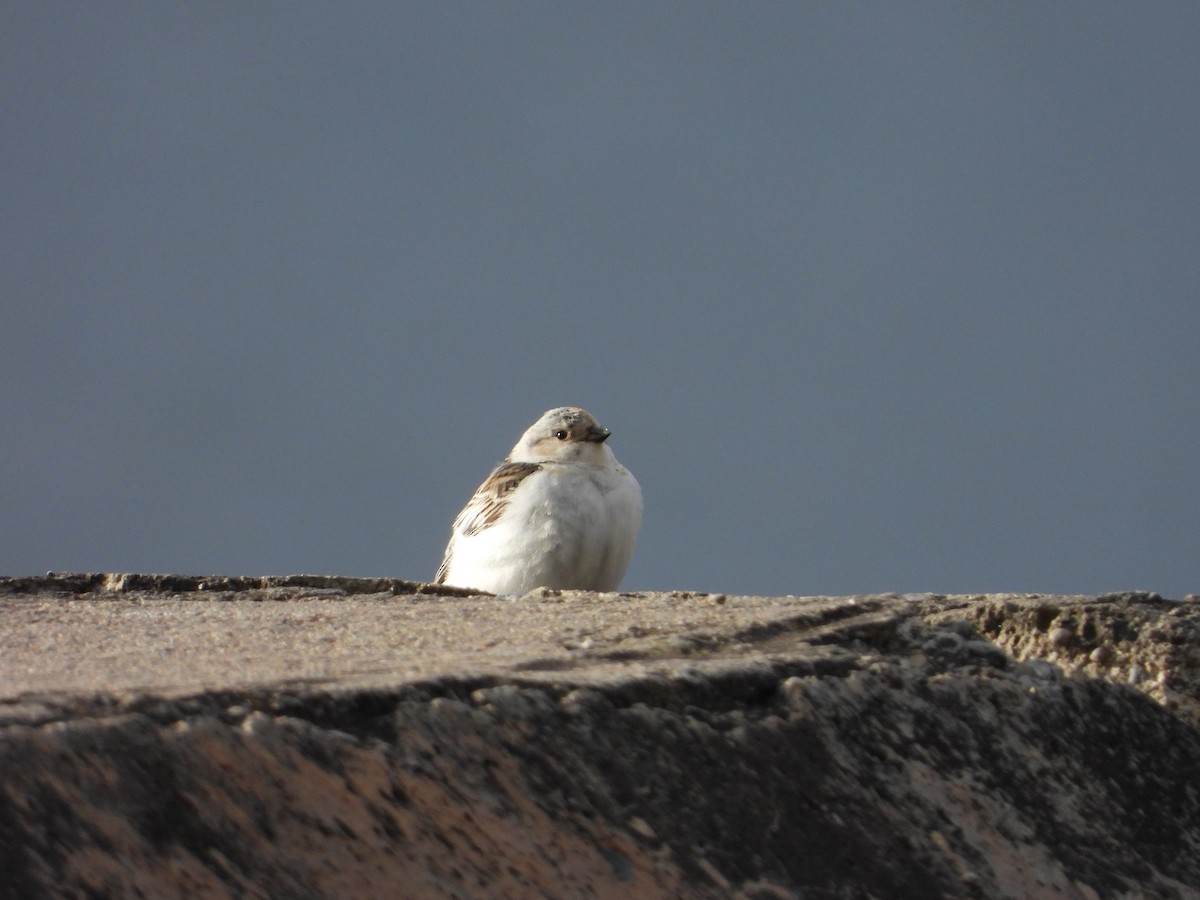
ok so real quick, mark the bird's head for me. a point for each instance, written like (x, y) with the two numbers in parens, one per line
(563, 434)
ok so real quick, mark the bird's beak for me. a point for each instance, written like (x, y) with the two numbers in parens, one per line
(598, 435)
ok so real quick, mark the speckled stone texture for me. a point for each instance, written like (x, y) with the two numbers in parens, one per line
(165, 736)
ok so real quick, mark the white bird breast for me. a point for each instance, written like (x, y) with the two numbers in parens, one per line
(566, 527)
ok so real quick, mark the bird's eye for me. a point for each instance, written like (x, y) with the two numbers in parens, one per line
(560, 434)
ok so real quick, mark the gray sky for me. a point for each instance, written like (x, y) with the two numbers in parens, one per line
(873, 297)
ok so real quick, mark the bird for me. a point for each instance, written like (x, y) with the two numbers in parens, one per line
(559, 512)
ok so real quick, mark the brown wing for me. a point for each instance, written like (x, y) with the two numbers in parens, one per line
(444, 568)
(486, 506)
(491, 498)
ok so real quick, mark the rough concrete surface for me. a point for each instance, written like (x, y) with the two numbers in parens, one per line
(165, 736)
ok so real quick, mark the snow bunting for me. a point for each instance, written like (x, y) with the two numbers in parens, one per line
(560, 512)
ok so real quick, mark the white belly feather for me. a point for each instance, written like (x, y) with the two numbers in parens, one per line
(568, 527)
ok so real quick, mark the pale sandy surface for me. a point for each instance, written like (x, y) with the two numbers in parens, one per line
(184, 643)
(312, 736)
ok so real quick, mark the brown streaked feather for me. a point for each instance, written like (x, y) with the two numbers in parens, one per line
(485, 507)
(443, 569)
(493, 495)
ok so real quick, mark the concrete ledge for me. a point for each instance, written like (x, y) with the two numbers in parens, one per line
(311, 736)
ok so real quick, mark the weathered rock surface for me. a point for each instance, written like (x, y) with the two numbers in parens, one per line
(324, 737)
